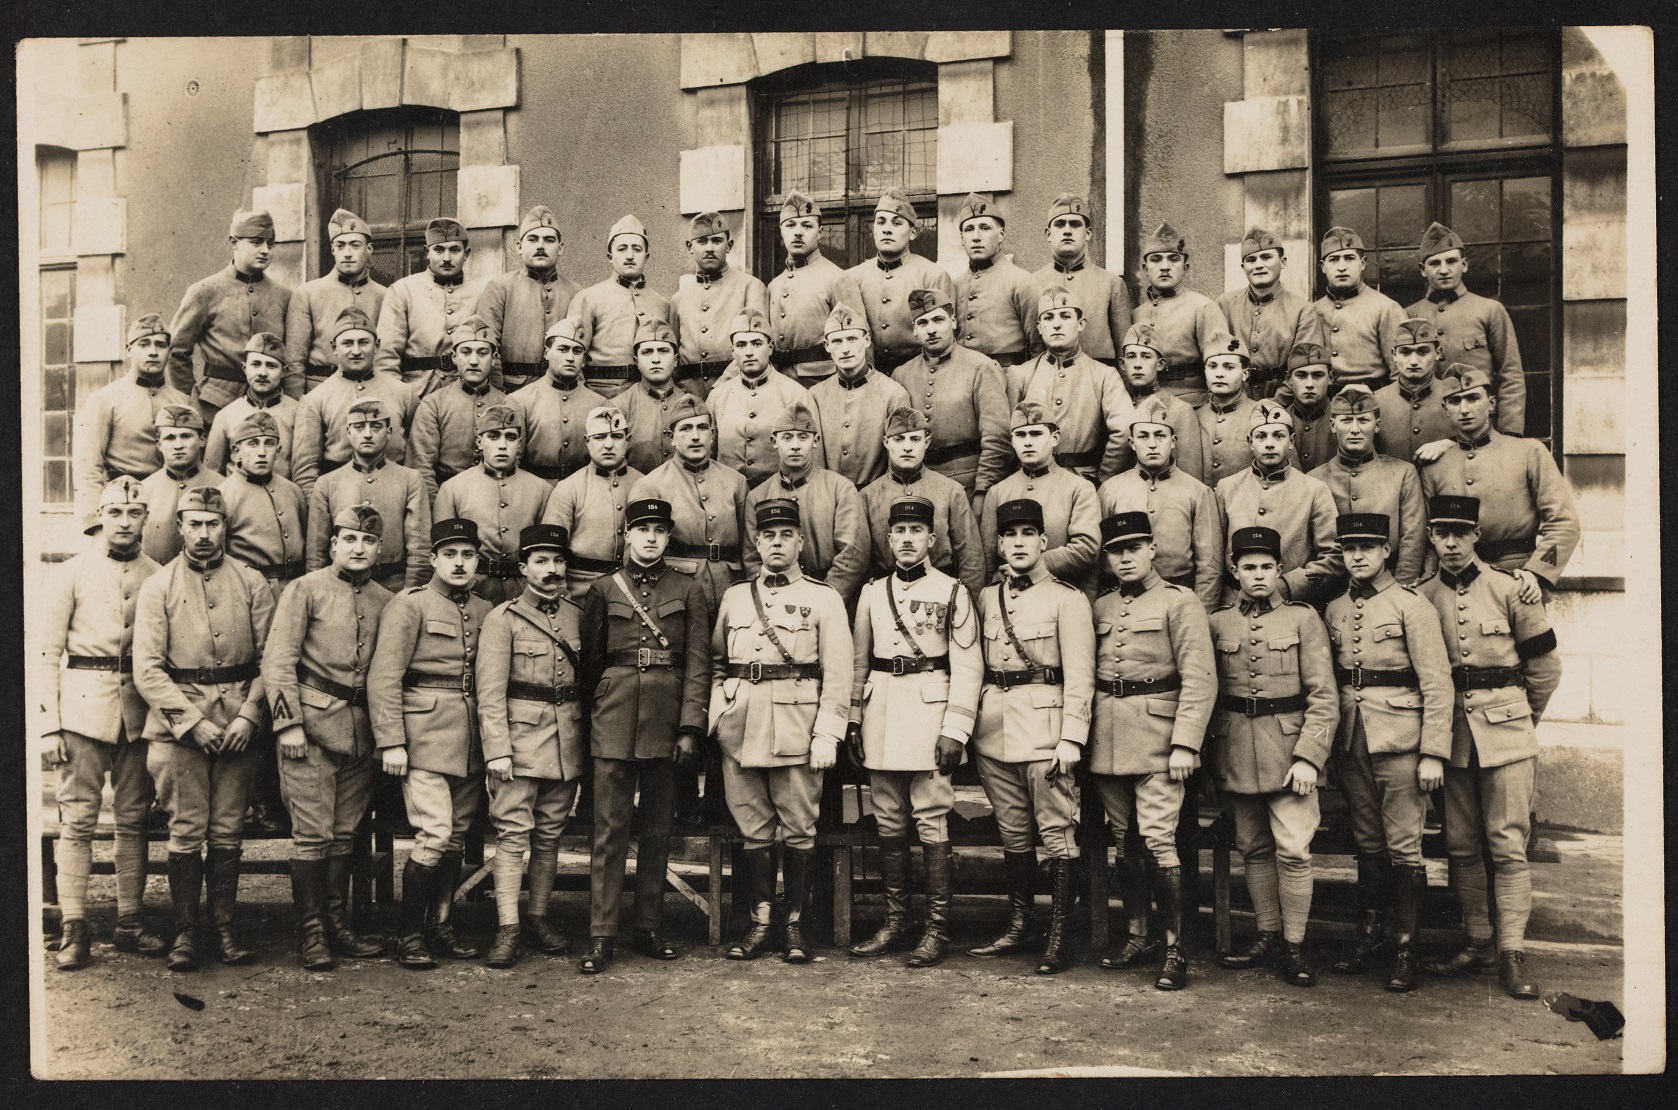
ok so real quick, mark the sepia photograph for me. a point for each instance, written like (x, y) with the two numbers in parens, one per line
(841, 554)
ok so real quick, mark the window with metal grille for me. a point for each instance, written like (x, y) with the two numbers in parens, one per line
(843, 134)
(396, 170)
(1457, 126)
(56, 169)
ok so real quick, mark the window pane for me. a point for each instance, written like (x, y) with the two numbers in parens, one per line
(1532, 332)
(55, 481)
(1405, 118)
(920, 161)
(1539, 409)
(1526, 276)
(1403, 216)
(1523, 53)
(827, 168)
(1473, 111)
(1350, 117)
(55, 343)
(1354, 64)
(1353, 208)
(1476, 53)
(55, 434)
(55, 388)
(882, 162)
(883, 111)
(1527, 106)
(89, 377)
(57, 286)
(1474, 210)
(1403, 60)
(792, 119)
(1526, 208)
(920, 108)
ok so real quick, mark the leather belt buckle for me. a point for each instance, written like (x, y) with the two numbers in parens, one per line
(1357, 676)
(754, 673)
(1004, 680)
(713, 552)
(466, 683)
(1250, 706)
(643, 658)
(897, 666)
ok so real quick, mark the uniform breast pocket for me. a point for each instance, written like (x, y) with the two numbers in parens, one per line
(1282, 653)
(441, 628)
(1498, 627)
(1389, 632)
(1148, 624)
(672, 617)
(532, 650)
(1039, 642)
(1473, 343)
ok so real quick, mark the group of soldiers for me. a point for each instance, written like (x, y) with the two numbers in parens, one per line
(525, 546)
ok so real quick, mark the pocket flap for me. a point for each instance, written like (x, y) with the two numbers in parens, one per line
(1406, 699)
(418, 701)
(313, 698)
(1103, 627)
(935, 690)
(1148, 624)
(674, 605)
(440, 628)
(731, 688)
(867, 689)
(1283, 643)
(1290, 723)
(1389, 631)
(1038, 630)
(993, 630)
(796, 692)
(1473, 344)
(1509, 711)
(1046, 697)
(1493, 628)
(1229, 645)
(523, 645)
(524, 712)
(1161, 707)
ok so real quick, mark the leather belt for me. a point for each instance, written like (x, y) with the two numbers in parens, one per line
(215, 676)
(543, 470)
(596, 566)
(1358, 677)
(641, 658)
(1486, 678)
(1492, 550)
(908, 664)
(710, 552)
(223, 374)
(520, 369)
(884, 361)
(121, 664)
(1047, 676)
(1130, 688)
(533, 691)
(1184, 580)
(1182, 373)
(783, 359)
(1267, 373)
(949, 452)
(612, 373)
(112, 473)
(1071, 460)
(498, 566)
(705, 371)
(761, 672)
(294, 569)
(414, 364)
(1261, 707)
(355, 695)
(327, 466)
(460, 683)
(316, 370)
(385, 570)
(1010, 358)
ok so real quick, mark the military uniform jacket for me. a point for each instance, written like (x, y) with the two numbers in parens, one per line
(1487, 625)
(398, 494)
(310, 316)
(1184, 323)
(218, 452)
(1071, 520)
(1360, 329)
(1184, 420)
(196, 619)
(770, 723)
(705, 309)
(1224, 449)
(882, 291)
(556, 440)
(520, 308)
(116, 434)
(744, 412)
(589, 503)
(800, 299)
(217, 315)
(1104, 297)
(443, 440)
(1410, 419)
(957, 548)
(1158, 631)
(709, 507)
(1477, 331)
(1523, 497)
(1187, 528)
(1089, 402)
(526, 644)
(1022, 724)
(320, 441)
(902, 716)
(833, 524)
(1272, 653)
(965, 398)
(329, 624)
(431, 630)
(416, 316)
(265, 524)
(1380, 484)
(648, 416)
(501, 505)
(636, 712)
(89, 611)
(1272, 325)
(996, 308)
(612, 309)
(1385, 626)
(1302, 510)
(852, 417)
(160, 539)
(1313, 442)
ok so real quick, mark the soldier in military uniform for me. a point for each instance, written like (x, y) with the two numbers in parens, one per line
(1394, 739)
(1139, 369)
(420, 690)
(116, 424)
(520, 305)
(589, 503)
(1034, 713)
(914, 696)
(314, 673)
(180, 442)
(1472, 329)
(200, 624)
(315, 305)
(881, 285)
(1365, 482)
(1224, 418)
(263, 371)
(1270, 737)
(1086, 399)
(530, 709)
(852, 406)
(1414, 425)
(704, 307)
(419, 310)
(647, 403)
(320, 442)
(1155, 685)
(555, 407)
(1360, 324)
(91, 719)
(611, 310)
(1305, 394)
(371, 479)
(802, 295)
(747, 404)
(780, 701)
(1505, 667)
(645, 679)
(998, 315)
(443, 440)
(1101, 295)
(1070, 506)
(1269, 319)
(1185, 321)
(955, 548)
(500, 498)
(218, 314)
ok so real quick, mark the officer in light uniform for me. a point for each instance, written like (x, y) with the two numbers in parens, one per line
(1139, 368)
(421, 691)
(647, 403)
(263, 371)
(1101, 295)
(443, 440)
(1269, 319)
(747, 404)
(1225, 416)
(780, 699)
(500, 498)
(557, 406)
(1360, 324)
(1394, 739)
(1270, 737)
(880, 286)
(613, 309)
(1414, 425)
(315, 305)
(370, 479)
(955, 548)
(852, 406)
(180, 441)
(266, 512)
(522, 304)
(1155, 685)
(802, 295)
(706, 305)
(200, 624)
(319, 441)
(998, 314)
(116, 424)
(314, 673)
(1034, 714)
(91, 719)
(1472, 329)
(1087, 399)
(914, 696)
(421, 308)
(589, 504)
(1186, 322)
(1305, 394)
(1365, 482)
(1070, 505)
(1505, 667)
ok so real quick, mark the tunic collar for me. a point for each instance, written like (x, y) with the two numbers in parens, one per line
(1141, 586)
(207, 565)
(907, 477)
(1444, 296)
(354, 283)
(183, 475)
(564, 384)
(256, 402)
(1037, 471)
(122, 556)
(359, 579)
(473, 391)
(1257, 605)
(911, 574)
(776, 581)
(1265, 298)
(975, 265)
(639, 281)
(1280, 474)
(1422, 392)
(694, 467)
(149, 381)
(457, 596)
(500, 475)
(1159, 475)
(889, 264)
(542, 277)
(711, 279)
(1469, 574)
(253, 479)
(1231, 407)
(1354, 461)
(547, 605)
(1344, 294)
(378, 464)
(853, 383)
(448, 282)
(244, 279)
(357, 375)
(791, 481)
(1071, 267)
(1369, 589)
(1479, 441)
(651, 572)
(623, 468)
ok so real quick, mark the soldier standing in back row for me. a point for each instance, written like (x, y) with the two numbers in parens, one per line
(443, 440)
(589, 503)
(1186, 321)
(556, 406)
(1472, 329)
(647, 403)
(500, 498)
(180, 441)
(1270, 319)
(116, 424)
(955, 548)
(802, 295)
(1101, 295)
(263, 370)
(1360, 324)
(705, 307)
(315, 305)
(520, 305)
(747, 404)
(998, 314)
(371, 479)
(853, 405)
(1087, 400)
(613, 309)
(880, 286)
(420, 309)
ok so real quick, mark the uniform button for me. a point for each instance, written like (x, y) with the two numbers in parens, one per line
(1470, 481)
(1261, 512)
(1462, 620)
(1336, 353)
(1354, 497)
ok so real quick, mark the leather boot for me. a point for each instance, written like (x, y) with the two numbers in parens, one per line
(1262, 953)
(340, 923)
(419, 890)
(1168, 892)
(131, 935)
(1409, 888)
(1374, 893)
(1512, 973)
(221, 881)
(308, 891)
(598, 956)
(1133, 884)
(1022, 933)
(758, 875)
(1474, 959)
(1057, 954)
(893, 935)
(504, 949)
(1296, 969)
(73, 946)
(442, 939)
(795, 867)
(186, 882)
(935, 939)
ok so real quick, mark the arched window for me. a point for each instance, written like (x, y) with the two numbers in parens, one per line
(395, 169)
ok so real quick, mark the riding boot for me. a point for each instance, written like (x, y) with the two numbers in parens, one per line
(795, 868)
(340, 921)
(419, 885)
(221, 880)
(935, 939)
(308, 891)
(1021, 933)
(757, 866)
(1057, 954)
(893, 934)
(442, 939)
(1410, 887)
(1133, 883)
(1374, 893)
(186, 882)
(1168, 892)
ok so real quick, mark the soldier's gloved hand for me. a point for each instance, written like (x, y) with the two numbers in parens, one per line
(237, 736)
(1182, 763)
(207, 735)
(394, 761)
(1430, 452)
(948, 754)
(1067, 755)
(1529, 591)
(57, 752)
(687, 749)
(1430, 773)
(500, 767)
(853, 741)
(292, 742)
(1302, 777)
(824, 752)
